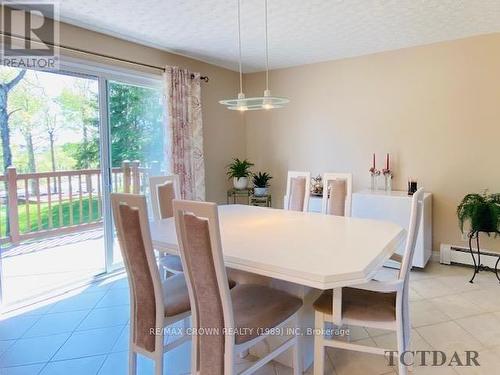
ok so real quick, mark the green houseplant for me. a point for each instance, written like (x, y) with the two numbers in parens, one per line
(261, 183)
(239, 170)
(482, 211)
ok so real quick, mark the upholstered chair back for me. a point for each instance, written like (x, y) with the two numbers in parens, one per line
(132, 228)
(337, 194)
(163, 190)
(297, 191)
(199, 242)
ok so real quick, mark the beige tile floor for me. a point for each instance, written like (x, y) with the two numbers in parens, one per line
(448, 314)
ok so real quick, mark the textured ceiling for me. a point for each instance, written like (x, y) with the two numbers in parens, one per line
(300, 31)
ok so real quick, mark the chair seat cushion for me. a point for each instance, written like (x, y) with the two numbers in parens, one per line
(257, 308)
(175, 295)
(171, 263)
(360, 304)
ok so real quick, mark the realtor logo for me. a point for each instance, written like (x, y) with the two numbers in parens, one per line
(30, 30)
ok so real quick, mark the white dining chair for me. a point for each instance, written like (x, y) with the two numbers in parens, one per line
(243, 316)
(376, 304)
(298, 190)
(337, 194)
(153, 304)
(164, 189)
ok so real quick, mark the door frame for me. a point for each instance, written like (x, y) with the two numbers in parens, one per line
(103, 73)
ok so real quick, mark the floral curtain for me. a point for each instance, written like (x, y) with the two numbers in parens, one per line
(183, 95)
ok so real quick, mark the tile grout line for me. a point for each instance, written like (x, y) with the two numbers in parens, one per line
(104, 354)
(71, 334)
(108, 354)
(471, 334)
(20, 337)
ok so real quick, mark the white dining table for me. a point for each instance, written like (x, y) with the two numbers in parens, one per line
(301, 252)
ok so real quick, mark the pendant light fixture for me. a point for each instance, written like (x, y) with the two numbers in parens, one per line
(249, 104)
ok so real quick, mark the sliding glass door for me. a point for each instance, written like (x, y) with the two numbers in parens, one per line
(69, 139)
(137, 139)
(51, 206)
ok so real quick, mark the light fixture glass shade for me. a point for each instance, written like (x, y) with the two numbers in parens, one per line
(251, 104)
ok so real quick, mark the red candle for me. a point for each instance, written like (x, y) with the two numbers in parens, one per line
(373, 160)
(387, 162)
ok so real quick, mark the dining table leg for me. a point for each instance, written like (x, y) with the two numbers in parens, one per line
(305, 318)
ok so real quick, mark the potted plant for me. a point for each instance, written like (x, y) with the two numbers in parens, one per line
(261, 184)
(239, 170)
(482, 211)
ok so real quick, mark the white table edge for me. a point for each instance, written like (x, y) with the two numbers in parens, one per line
(324, 284)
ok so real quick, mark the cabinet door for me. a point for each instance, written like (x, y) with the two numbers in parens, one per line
(395, 209)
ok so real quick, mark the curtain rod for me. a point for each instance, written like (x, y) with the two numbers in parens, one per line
(86, 52)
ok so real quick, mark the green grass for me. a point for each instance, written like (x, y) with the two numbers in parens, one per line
(45, 213)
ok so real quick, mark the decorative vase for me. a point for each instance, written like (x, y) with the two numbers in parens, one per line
(240, 183)
(260, 191)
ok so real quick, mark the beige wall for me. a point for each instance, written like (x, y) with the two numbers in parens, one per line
(435, 108)
(223, 130)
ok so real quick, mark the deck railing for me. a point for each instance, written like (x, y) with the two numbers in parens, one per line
(50, 203)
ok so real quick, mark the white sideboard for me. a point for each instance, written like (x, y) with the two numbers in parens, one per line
(395, 207)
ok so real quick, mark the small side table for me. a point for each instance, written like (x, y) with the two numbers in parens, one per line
(477, 265)
(263, 201)
(234, 194)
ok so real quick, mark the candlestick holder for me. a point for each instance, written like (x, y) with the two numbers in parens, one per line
(387, 179)
(374, 173)
(388, 182)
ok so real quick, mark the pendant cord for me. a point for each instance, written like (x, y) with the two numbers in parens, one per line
(267, 51)
(239, 45)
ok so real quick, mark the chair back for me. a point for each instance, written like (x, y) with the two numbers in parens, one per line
(337, 194)
(411, 238)
(198, 234)
(163, 190)
(298, 190)
(146, 294)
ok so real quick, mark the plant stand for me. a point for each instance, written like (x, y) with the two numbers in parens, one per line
(234, 194)
(262, 201)
(477, 265)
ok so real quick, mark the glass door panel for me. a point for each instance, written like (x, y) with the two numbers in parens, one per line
(138, 139)
(51, 210)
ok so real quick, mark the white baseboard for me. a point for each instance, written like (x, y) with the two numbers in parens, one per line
(461, 255)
